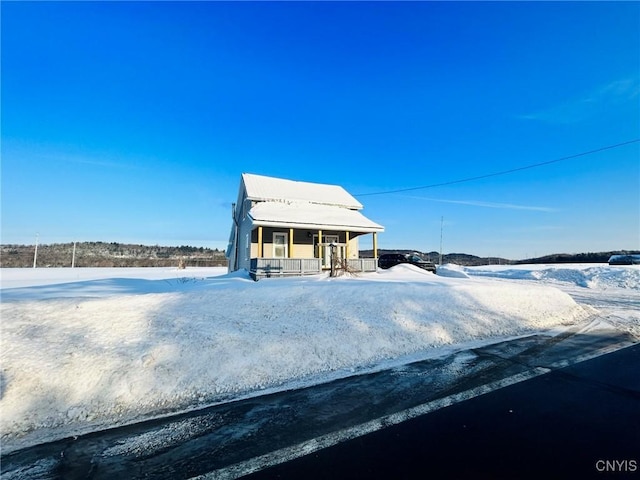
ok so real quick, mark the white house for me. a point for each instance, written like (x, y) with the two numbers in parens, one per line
(285, 227)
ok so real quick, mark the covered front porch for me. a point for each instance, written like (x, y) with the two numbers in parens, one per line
(277, 251)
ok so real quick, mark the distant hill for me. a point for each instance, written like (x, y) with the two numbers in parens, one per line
(595, 257)
(103, 254)
(457, 258)
(472, 260)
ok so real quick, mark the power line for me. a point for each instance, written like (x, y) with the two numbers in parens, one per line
(504, 172)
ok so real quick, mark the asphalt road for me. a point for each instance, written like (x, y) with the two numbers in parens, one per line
(582, 421)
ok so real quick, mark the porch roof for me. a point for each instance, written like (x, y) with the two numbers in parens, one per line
(311, 216)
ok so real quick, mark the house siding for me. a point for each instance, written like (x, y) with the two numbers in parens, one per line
(244, 254)
(302, 241)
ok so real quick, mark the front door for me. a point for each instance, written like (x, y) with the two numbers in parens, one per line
(325, 250)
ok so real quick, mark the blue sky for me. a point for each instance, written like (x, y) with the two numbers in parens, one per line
(132, 122)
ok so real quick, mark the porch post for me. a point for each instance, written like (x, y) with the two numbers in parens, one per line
(260, 242)
(291, 243)
(375, 244)
(346, 248)
(319, 242)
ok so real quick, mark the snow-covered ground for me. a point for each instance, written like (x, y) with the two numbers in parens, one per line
(613, 291)
(84, 349)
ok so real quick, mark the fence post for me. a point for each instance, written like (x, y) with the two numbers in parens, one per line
(35, 253)
(333, 260)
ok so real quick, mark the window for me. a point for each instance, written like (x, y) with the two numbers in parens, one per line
(280, 245)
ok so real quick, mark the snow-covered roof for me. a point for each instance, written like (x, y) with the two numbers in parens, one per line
(312, 216)
(262, 188)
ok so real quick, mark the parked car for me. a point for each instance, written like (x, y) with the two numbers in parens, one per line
(389, 260)
(624, 260)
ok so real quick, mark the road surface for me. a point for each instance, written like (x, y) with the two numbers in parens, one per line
(582, 421)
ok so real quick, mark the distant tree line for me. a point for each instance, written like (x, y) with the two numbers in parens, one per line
(472, 260)
(103, 254)
(457, 258)
(591, 257)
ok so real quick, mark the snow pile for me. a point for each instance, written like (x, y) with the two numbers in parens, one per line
(451, 270)
(581, 275)
(88, 354)
(605, 277)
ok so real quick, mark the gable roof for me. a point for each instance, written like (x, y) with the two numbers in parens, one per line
(262, 188)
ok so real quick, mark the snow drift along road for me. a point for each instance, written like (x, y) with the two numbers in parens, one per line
(91, 354)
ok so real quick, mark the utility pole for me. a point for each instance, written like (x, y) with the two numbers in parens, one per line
(441, 223)
(35, 253)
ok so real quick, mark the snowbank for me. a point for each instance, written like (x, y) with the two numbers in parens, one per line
(598, 276)
(72, 281)
(88, 354)
(451, 270)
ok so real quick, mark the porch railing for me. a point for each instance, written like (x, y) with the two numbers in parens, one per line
(276, 267)
(279, 267)
(363, 264)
